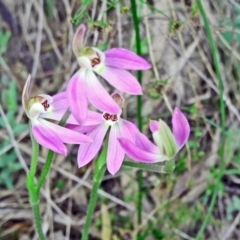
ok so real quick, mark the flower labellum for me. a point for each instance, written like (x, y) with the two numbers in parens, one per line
(112, 65)
(46, 133)
(167, 143)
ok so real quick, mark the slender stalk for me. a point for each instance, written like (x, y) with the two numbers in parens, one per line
(35, 152)
(214, 53)
(45, 170)
(37, 217)
(92, 202)
(99, 170)
(222, 113)
(33, 196)
(36, 213)
(139, 102)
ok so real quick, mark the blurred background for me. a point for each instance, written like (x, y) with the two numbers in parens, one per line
(201, 198)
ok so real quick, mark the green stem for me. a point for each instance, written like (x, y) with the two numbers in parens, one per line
(33, 196)
(215, 62)
(45, 170)
(139, 52)
(139, 102)
(223, 116)
(99, 171)
(37, 217)
(93, 198)
(35, 152)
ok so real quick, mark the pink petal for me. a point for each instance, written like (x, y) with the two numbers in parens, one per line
(60, 101)
(81, 129)
(45, 137)
(153, 125)
(115, 154)
(128, 129)
(77, 98)
(57, 115)
(181, 128)
(122, 80)
(145, 144)
(65, 134)
(88, 151)
(125, 59)
(138, 154)
(98, 96)
(93, 118)
(78, 38)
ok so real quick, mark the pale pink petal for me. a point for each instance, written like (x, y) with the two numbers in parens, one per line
(81, 129)
(138, 138)
(128, 129)
(93, 118)
(98, 96)
(122, 80)
(138, 154)
(145, 144)
(78, 39)
(60, 101)
(72, 127)
(181, 128)
(115, 154)
(76, 97)
(88, 151)
(45, 137)
(125, 59)
(153, 125)
(65, 134)
(57, 115)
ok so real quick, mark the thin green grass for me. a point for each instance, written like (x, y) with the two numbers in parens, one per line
(214, 54)
(139, 102)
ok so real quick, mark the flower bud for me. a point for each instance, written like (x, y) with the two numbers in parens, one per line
(118, 99)
(165, 140)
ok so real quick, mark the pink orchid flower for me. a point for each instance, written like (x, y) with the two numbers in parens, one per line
(118, 128)
(111, 65)
(46, 133)
(167, 143)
